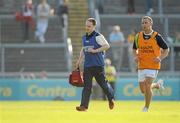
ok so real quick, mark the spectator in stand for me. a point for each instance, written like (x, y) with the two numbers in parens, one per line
(130, 7)
(110, 71)
(43, 75)
(43, 13)
(63, 12)
(177, 41)
(100, 6)
(130, 40)
(117, 41)
(150, 9)
(27, 13)
(177, 38)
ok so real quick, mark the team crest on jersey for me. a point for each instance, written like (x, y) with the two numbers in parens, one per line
(87, 41)
(86, 48)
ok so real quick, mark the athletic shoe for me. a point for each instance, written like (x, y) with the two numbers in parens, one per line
(111, 104)
(81, 108)
(160, 82)
(145, 109)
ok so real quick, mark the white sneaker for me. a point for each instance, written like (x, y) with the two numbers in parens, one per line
(160, 82)
(145, 109)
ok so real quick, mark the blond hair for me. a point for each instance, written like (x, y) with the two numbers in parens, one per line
(148, 17)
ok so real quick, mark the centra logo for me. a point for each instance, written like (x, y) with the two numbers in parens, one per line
(5, 91)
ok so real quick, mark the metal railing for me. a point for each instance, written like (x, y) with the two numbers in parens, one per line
(169, 64)
(4, 45)
(21, 48)
(165, 20)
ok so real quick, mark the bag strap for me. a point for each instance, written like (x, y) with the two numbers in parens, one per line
(77, 69)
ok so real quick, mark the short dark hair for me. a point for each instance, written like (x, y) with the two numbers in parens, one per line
(92, 20)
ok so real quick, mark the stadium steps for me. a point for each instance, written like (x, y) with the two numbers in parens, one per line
(12, 31)
(78, 13)
(120, 6)
(33, 59)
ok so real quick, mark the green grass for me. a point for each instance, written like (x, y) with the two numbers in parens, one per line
(64, 112)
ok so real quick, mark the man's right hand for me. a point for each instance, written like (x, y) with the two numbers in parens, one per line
(77, 65)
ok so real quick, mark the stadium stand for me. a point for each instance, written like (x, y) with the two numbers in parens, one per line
(120, 6)
(9, 25)
(34, 57)
(166, 23)
(11, 31)
(54, 59)
(16, 55)
(12, 6)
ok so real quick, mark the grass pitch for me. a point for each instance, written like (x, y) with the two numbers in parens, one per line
(64, 112)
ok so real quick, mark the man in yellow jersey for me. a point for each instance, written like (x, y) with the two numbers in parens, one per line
(149, 50)
(110, 74)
